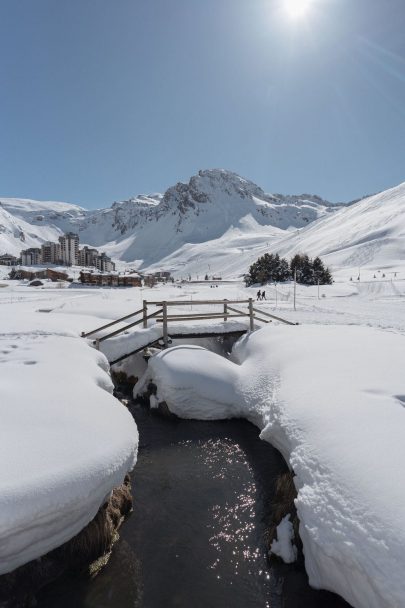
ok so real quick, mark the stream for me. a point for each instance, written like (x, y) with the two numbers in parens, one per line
(202, 492)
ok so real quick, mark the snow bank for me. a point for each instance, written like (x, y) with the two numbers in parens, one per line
(332, 400)
(65, 442)
(192, 375)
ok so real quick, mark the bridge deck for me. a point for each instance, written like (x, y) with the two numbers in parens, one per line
(120, 347)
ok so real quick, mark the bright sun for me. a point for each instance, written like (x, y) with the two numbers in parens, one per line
(297, 8)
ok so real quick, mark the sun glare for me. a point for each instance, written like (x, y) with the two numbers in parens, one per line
(297, 8)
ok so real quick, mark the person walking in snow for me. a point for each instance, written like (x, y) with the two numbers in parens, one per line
(263, 295)
(259, 295)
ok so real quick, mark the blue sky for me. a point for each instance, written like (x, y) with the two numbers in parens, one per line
(104, 99)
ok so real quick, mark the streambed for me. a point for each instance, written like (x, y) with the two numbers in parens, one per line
(202, 494)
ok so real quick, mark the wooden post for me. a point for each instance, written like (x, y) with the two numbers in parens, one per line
(295, 287)
(225, 311)
(165, 335)
(251, 315)
(145, 313)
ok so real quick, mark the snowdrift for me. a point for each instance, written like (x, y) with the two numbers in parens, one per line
(332, 400)
(66, 442)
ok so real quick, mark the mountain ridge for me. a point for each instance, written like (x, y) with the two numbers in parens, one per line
(200, 210)
(217, 221)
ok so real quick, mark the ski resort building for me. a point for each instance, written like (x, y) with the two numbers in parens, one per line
(51, 253)
(162, 275)
(88, 256)
(48, 273)
(31, 256)
(104, 263)
(66, 252)
(8, 260)
(69, 244)
(113, 279)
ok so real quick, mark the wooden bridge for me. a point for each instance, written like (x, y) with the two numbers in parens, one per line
(160, 311)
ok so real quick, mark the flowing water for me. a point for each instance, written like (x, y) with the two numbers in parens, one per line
(202, 492)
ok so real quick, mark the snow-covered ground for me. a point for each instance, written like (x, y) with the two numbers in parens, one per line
(65, 441)
(332, 400)
(329, 394)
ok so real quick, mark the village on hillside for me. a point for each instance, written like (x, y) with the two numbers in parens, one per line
(55, 262)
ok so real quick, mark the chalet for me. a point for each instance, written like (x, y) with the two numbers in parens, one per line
(46, 273)
(113, 279)
(162, 275)
(8, 260)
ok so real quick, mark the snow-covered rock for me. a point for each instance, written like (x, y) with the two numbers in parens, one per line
(284, 546)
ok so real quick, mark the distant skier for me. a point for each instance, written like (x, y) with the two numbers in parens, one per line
(263, 295)
(259, 295)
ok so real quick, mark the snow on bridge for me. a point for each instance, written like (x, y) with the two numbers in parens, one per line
(129, 339)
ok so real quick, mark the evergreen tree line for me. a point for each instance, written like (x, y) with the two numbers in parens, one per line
(271, 268)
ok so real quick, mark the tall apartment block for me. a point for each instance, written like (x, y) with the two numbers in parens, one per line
(69, 244)
(31, 256)
(104, 263)
(88, 256)
(51, 253)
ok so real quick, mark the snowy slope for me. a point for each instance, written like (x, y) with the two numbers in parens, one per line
(44, 213)
(17, 233)
(370, 232)
(115, 224)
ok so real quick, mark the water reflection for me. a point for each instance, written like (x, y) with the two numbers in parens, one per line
(196, 537)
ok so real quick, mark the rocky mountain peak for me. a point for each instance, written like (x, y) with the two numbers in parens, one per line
(209, 185)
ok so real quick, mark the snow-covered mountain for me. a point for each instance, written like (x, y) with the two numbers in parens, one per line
(218, 223)
(208, 206)
(149, 228)
(26, 223)
(370, 232)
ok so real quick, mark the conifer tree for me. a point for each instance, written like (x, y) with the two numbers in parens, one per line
(271, 268)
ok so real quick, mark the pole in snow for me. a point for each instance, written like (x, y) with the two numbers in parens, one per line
(251, 315)
(295, 288)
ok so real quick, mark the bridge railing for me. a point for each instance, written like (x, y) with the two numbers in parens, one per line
(225, 314)
(162, 316)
